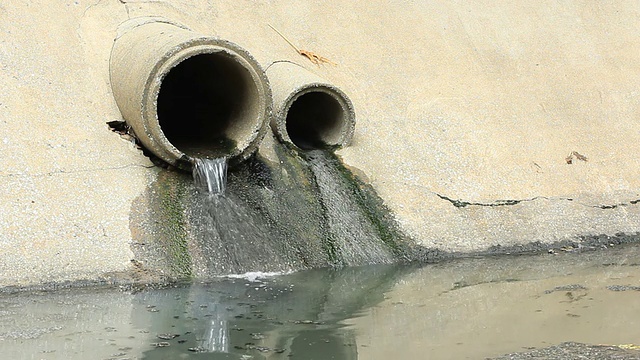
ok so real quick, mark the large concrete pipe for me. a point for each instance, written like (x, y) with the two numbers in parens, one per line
(309, 112)
(187, 95)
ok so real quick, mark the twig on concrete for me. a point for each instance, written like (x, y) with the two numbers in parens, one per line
(313, 57)
(569, 159)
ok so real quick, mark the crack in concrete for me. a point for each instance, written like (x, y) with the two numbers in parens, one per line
(461, 204)
(58, 172)
(126, 8)
(614, 206)
(86, 9)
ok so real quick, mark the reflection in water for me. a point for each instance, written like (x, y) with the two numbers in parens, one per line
(69, 324)
(464, 309)
(217, 338)
(296, 316)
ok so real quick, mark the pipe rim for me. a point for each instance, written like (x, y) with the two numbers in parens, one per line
(184, 52)
(346, 128)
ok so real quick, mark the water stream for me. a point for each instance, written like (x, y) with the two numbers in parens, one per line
(354, 236)
(228, 237)
(302, 212)
(211, 174)
(465, 309)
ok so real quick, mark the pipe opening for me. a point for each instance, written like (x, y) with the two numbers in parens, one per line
(315, 120)
(207, 105)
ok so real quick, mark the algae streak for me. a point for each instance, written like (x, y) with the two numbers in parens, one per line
(160, 230)
(356, 221)
(172, 191)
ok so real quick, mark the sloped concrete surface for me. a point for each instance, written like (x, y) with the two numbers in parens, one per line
(66, 181)
(466, 112)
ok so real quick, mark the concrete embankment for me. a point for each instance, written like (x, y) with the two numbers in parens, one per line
(478, 123)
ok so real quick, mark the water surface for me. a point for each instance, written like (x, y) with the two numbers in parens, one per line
(463, 309)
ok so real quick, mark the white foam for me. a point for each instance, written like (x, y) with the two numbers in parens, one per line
(255, 275)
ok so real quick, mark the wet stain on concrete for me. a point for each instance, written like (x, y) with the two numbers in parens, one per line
(307, 210)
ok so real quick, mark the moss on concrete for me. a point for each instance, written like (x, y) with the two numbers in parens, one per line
(172, 194)
(159, 229)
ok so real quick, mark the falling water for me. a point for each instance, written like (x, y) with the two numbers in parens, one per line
(211, 174)
(231, 238)
(305, 212)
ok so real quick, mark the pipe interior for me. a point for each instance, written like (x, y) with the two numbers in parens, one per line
(315, 120)
(207, 105)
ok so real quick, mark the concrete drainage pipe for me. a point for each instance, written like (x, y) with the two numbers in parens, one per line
(187, 95)
(309, 113)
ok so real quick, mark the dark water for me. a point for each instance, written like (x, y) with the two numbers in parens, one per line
(463, 309)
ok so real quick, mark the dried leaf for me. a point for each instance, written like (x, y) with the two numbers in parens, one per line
(315, 58)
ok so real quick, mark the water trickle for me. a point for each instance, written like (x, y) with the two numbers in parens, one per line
(211, 174)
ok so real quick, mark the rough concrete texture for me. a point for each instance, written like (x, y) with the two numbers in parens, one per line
(457, 103)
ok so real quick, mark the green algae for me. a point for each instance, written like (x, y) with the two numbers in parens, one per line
(159, 229)
(172, 193)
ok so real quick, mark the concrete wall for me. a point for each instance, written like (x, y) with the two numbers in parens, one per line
(466, 112)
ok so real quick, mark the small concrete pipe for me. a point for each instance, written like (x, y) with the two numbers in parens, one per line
(309, 112)
(186, 95)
